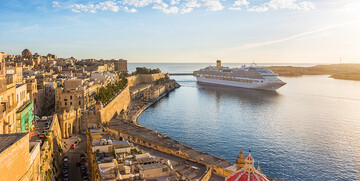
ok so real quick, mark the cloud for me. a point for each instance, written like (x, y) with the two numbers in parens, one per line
(139, 3)
(283, 4)
(181, 6)
(56, 4)
(165, 8)
(93, 8)
(132, 10)
(174, 2)
(238, 4)
(212, 5)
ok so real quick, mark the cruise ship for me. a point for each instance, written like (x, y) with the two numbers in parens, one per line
(251, 77)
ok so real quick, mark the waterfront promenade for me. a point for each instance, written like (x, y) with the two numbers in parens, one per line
(154, 140)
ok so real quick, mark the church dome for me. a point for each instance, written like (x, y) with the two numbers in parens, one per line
(248, 173)
(26, 53)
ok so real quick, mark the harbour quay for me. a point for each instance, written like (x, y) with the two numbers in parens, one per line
(149, 138)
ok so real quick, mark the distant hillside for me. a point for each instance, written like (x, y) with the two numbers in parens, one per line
(337, 71)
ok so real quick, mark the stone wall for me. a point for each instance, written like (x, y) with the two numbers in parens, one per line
(119, 104)
(89, 117)
(51, 150)
(144, 78)
(15, 161)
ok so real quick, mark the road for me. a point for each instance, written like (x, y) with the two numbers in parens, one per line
(184, 167)
(74, 156)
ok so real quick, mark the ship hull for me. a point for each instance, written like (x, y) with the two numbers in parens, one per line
(265, 85)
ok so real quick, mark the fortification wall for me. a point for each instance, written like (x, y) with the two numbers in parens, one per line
(114, 108)
(51, 148)
(89, 117)
(144, 78)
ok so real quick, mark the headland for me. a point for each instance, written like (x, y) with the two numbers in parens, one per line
(336, 71)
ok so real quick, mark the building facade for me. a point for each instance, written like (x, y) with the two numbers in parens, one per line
(19, 158)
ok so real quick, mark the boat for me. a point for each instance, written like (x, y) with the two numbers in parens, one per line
(250, 77)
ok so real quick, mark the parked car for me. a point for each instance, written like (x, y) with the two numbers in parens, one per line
(83, 169)
(79, 140)
(66, 165)
(85, 177)
(64, 171)
(44, 118)
(66, 159)
(47, 125)
(76, 143)
(72, 146)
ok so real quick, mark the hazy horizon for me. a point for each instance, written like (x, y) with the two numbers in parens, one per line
(185, 31)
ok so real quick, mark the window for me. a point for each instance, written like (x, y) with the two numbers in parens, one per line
(65, 103)
(70, 97)
(70, 103)
(79, 102)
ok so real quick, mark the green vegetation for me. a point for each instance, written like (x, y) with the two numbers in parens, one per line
(48, 174)
(105, 94)
(144, 70)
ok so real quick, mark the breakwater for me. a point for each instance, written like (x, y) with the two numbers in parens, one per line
(143, 136)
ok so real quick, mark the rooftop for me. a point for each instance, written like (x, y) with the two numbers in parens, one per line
(150, 166)
(8, 139)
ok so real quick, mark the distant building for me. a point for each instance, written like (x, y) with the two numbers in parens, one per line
(19, 158)
(26, 53)
(121, 65)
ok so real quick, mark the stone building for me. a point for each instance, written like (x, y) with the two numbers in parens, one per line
(26, 54)
(121, 65)
(69, 121)
(19, 158)
(66, 97)
(17, 71)
(248, 172)
(3, 88)
(9, 106)
(240, 161)
(154, 92)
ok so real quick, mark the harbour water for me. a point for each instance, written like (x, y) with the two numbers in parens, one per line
(307, 130)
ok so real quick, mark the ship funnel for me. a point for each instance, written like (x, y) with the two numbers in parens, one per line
(218, 63)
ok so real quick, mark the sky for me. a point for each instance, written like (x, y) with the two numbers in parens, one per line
(172, 31)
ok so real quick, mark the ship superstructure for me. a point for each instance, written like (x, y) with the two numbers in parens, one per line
(252, 77)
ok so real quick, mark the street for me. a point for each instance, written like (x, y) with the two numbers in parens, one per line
(74, 156)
